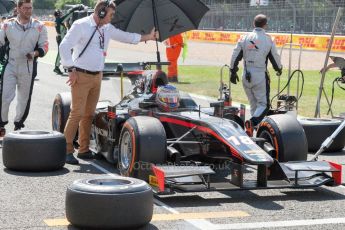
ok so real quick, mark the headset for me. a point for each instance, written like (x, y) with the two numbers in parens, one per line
(102, 13)
(57, 13)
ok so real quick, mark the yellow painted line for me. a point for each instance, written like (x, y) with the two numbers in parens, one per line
(200, 215)
(56, 222)
(168, 217)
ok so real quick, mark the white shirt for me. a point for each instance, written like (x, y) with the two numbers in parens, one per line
(94, 56)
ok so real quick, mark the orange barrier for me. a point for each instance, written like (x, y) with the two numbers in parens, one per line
(310, 42)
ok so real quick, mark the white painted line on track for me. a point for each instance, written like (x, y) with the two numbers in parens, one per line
(275, 224)
(198, 223)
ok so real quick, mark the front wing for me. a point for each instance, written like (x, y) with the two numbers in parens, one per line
(193, 178)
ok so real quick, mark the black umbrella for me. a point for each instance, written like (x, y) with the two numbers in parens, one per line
(6, 6)
(169, 17)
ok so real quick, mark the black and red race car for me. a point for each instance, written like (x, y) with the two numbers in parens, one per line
(198, 149)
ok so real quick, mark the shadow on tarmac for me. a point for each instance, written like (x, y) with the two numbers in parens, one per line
(146, 227)
(250, 198)
(87, 168)
(38, 174)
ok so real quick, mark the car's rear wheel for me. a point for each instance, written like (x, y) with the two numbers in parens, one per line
(318, 129)
(286, 135)
(60, 111)
(142, 142)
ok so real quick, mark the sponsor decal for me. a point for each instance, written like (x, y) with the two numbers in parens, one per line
(310, 42)
(153, 181)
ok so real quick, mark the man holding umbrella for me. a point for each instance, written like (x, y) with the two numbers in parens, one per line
(89, 38)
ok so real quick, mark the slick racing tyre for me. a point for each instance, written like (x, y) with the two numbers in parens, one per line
(142, 142)
(109, 203)
(286, 135)
(317, 130)
(60, 112)
(34, 150)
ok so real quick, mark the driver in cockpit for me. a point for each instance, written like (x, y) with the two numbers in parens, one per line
(167, 98)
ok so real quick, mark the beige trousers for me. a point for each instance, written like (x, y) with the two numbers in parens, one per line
(85, 95)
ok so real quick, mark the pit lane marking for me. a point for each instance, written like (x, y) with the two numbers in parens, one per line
(201, 215)
(167, 217)
(56, 222)
(275, 224)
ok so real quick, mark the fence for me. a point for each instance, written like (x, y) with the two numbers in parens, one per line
(285, 16)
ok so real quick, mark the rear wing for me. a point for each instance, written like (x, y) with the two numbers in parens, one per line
(113, 68)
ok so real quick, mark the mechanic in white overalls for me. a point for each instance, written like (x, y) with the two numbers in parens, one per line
(256, 48)
(28, 39)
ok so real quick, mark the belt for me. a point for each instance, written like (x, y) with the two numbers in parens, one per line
(87, 71)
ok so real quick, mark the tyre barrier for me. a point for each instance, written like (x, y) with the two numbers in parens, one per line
(34, 150)
(318, 129)
(109, 203)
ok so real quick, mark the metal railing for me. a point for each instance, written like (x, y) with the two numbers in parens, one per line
(305, 16)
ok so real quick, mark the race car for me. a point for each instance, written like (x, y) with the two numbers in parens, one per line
(161, 135)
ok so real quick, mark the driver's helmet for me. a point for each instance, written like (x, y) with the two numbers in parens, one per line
(168, 98)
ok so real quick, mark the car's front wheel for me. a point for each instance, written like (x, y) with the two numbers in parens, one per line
(142, 142)
(286, 135)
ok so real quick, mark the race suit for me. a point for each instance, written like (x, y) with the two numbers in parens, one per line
(256, 48)
(19, 71)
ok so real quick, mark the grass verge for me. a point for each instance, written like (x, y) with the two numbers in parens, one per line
(204, 80)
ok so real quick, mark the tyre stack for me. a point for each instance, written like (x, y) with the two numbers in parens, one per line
(34, 150)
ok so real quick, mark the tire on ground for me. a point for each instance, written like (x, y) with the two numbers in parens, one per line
(109, 203)
(34, 150)
(60, 111)
(286, 135)
(142, 142)
(318, 129)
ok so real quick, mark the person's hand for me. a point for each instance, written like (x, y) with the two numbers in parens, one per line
(234, 78)
(154, 34)
(279, 72)
(72, 78)
(30, 55)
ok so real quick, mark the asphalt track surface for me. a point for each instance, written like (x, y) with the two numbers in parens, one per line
(34, 200)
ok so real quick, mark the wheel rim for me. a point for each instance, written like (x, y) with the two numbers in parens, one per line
(109, 182)
(34, 132)
(93, 139)
(56, 117)
(126, 154)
